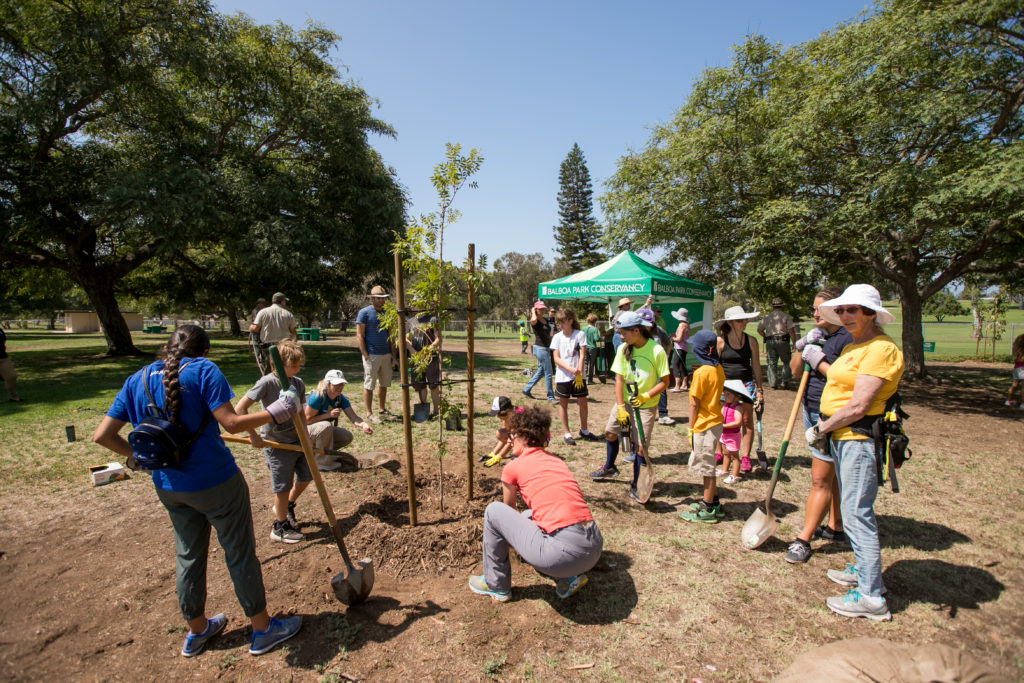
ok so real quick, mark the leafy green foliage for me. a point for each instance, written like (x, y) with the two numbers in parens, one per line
(942, 305)
(577, 232)
(887, 149)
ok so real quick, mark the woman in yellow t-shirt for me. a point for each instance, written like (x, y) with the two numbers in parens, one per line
(861, 379)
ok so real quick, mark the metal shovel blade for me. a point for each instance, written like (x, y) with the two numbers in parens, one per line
(354, 586)
(645, 482)
(372, 459)
(758, 529)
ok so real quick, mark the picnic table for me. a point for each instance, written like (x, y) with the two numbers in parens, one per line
(308, 334)
(153, 329)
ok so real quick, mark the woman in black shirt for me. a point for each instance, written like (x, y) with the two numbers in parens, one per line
(741, 359)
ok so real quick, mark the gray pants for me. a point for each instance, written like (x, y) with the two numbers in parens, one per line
(226, 508)
(567, 552)
(778, 349)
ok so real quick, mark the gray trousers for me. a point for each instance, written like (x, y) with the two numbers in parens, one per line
(226, 508)
(567, 552)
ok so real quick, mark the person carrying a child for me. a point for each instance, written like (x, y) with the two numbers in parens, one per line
(556, 534)
(733, 394)
(706, 385)
(568, 351)
(642, 362)
(323, 408)
(1017, 350)
(502, 408)
(289, 473)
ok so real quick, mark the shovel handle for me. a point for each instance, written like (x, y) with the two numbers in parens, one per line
(280, 446)
(299, 420)
(787, 434)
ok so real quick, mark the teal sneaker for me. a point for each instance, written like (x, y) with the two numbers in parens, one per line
(565, 588)
(719, 512)
(702, 515)
(853, 604)
(279, 631)
(847, 577)
(195, 642)
(477, 585)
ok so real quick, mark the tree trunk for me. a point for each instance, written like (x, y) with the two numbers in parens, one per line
(236, 329)
(913, 336)
(101, 295)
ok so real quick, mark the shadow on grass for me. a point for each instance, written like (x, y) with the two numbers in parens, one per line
(609, 596)
(958, 389)
(327, 634)
(899, 532)
(947, 586)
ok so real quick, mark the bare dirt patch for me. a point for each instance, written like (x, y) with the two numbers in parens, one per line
(89, 573)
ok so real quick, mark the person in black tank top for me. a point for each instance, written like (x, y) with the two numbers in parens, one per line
(741, 359)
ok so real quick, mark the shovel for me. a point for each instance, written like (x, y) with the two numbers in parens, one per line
(362, 461)
(353, 585)
(645, 480)
(762, 525)
(762, 457)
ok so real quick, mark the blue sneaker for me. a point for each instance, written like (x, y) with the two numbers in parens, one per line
(279, 631)
(477, 585)
(195, 642)
(567, 587)
(629, 458)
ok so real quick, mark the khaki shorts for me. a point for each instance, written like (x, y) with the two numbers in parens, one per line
(702, 458)
(648, 418)
(377, 370)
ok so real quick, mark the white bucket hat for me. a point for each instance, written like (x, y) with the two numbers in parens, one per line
(857, 295)
(737, 313)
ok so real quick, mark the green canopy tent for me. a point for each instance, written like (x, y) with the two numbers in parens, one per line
(628, 275)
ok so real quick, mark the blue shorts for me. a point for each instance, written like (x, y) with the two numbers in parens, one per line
(811, 419)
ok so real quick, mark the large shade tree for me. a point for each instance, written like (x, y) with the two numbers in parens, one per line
(230, 153)
(889, 147)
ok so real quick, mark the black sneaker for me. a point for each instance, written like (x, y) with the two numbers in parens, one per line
(284, 532)
(604, 473)
(527, 394)
(762, 462)
(826, 533)
(290, 516)
(799, 552)
(589, 436)
(569, 441)
(634, 496)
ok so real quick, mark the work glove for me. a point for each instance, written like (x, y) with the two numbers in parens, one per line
(621, 415)
(577, 381)
(813, 355)
(640, 399)
(285, 406)
(759, 405)
(816, 439)
(813, 337)
(492, 460)
(690, 436)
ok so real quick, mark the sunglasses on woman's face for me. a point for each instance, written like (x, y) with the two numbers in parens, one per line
(846, 310)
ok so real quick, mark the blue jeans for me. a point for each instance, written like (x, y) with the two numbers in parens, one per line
(663, 404)
(858, 486)
(544, 367)
(811, 419)
(616, 341)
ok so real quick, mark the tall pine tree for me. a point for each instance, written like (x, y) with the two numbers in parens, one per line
(577, 233)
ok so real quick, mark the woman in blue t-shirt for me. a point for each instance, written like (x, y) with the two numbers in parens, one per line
(207, 489)
(323, 408)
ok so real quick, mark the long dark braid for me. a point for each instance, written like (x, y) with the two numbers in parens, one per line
(188, 341)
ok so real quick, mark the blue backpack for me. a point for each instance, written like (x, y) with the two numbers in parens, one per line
(156, 443)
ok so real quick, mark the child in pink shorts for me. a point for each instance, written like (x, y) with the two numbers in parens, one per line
(732, 417)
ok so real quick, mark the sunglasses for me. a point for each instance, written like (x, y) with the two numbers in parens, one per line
(847, 310)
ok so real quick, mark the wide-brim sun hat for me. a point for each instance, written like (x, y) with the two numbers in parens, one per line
(681, 315)
(737, 387)
(380, 292)
(625, 301)
(857, 295)
(335, 377)
(737, 313)
(631, 319)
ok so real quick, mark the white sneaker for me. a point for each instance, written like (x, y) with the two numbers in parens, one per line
(666, 420)
(731, 480)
